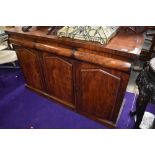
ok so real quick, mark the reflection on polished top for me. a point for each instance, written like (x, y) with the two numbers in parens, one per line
(123, 44)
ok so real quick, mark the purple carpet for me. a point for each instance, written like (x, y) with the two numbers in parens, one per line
(21, 108)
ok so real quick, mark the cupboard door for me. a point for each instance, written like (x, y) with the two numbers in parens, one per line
(59, 78)
(97, 91)
(29, 62)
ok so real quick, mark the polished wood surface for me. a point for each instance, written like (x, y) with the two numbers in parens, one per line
(30, 67)
(59, 78)
(106, 62)
(122, 44)
(87, 77)
(100, 91)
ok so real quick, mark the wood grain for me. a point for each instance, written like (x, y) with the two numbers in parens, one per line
(59, 78)
(87, 77)
(30, 67)
(103, 61)
(125, 45)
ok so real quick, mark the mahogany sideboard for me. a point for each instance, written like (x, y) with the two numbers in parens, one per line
(86, 77)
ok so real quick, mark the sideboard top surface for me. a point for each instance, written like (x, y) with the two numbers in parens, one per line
(123, 44)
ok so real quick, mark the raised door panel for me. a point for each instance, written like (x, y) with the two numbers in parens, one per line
(97, 92)
(59, 79)
(31, 68)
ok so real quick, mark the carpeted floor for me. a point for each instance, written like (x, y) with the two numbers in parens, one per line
(21, 108)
